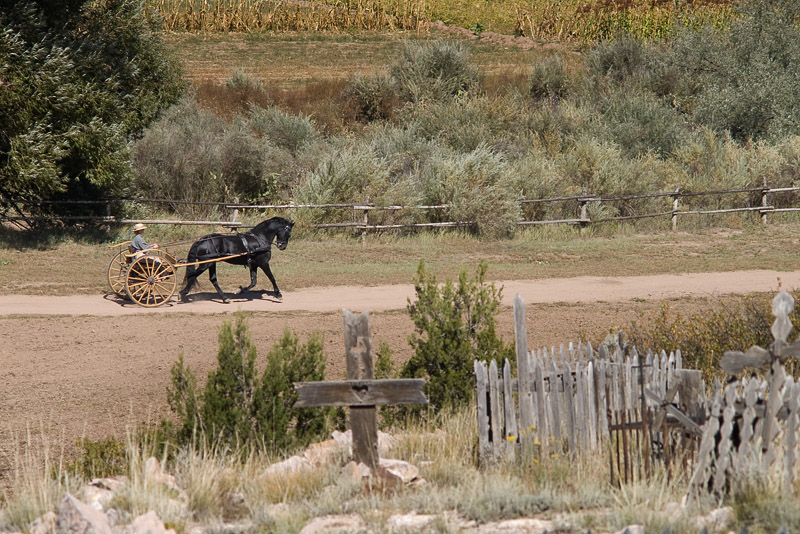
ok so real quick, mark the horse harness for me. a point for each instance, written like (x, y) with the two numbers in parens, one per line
(250, 252)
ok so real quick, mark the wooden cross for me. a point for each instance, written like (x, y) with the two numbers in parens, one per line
(361, 392)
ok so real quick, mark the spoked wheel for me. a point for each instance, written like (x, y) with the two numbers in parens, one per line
(150, 281)
(116, 274)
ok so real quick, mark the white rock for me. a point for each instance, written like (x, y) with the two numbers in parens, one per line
(716, 520)
(97, 498)
(632, 529)
(334, 524)
(351, 472)
(323, 452)
(404, 470)
(410, 521)
(75, 517)
(154, 473)
(293, 464)
(44, 525)
(110, 483)
(148, 523)
(517, 526)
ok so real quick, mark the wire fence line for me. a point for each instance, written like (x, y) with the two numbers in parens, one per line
(362, 219)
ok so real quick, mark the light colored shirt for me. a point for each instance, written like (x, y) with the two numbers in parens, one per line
(139, 243)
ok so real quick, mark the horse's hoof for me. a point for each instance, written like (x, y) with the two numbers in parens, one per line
(278, 295)
(226, 301)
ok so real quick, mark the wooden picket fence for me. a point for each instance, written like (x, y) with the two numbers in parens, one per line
(752, 432)
(574, 398)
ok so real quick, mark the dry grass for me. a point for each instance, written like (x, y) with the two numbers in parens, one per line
(573, 491)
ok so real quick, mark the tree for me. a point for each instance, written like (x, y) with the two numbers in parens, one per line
(78, 81)
(454, 325)
(237, 408)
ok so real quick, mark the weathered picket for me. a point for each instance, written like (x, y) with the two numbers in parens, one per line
(564, 396)
(753, 426)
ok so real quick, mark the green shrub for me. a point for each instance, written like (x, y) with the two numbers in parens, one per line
(434, 70)
(464, 124)
(241, 410)
(742, 81)
(616, 60)
(641, 123)
(280, 426)
(287, 131)
(191, 154)
(549, 79)
(477, 186)
(348, 175)
(454, 324)
(99, 459)
(372, 97)
(229, 392)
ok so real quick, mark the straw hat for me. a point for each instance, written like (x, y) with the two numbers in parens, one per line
(138, 227)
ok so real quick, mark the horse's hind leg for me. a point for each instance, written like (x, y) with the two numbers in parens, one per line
(191, 279)
(253, 279)
(212, 275)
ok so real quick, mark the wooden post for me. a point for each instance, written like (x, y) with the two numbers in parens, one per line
(675, 208)
(108, 214)
(764, 203)
(360, 391)
(363, 419)
(523, 374)
(365, 221)
(481, 392)
(584, 216)
(235, 210)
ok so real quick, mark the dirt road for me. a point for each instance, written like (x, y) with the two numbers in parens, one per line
(395, 297)
(93, 366)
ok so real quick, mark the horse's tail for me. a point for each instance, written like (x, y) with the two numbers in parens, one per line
(190, 270)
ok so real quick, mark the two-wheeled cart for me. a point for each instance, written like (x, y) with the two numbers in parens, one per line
(148, 277)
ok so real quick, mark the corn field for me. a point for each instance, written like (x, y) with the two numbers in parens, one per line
(567, 20)
(275, 16)
(589, 21)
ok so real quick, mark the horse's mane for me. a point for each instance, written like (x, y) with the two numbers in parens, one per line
(260, 227)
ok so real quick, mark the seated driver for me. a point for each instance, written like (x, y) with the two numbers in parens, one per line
(139, 244)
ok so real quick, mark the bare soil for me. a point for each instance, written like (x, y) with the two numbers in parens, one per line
(92, 365)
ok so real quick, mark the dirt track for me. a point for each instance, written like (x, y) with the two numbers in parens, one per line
(89, 365)
(395, 297)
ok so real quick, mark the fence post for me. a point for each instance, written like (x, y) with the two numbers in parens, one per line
(764, 203)
(675, 208)
(365, 221)
(235, 210)
(584, 214)
(108, 215)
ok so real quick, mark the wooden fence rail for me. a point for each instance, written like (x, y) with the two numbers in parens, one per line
(361, 210)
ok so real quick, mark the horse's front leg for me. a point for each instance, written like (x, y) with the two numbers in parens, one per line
(253, 279)
(276, 292)
(212, 275)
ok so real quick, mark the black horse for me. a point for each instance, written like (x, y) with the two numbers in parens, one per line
(253, 249)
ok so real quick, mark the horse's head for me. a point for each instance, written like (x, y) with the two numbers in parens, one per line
(283, 235)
